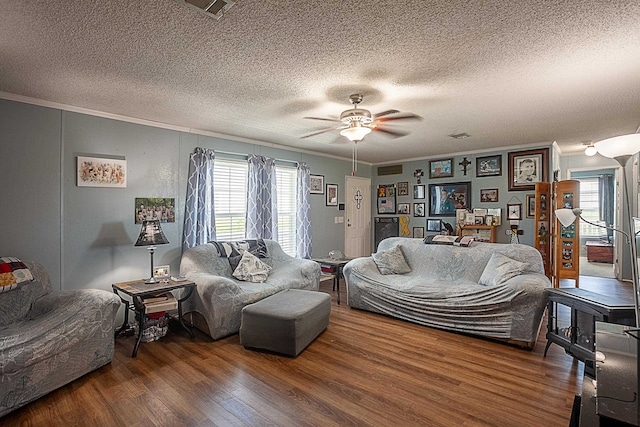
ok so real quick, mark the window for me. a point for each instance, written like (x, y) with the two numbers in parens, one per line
(230, 198)
(286, 184)
(590, 205)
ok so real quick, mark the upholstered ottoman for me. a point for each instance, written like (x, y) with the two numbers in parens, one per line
(286, 322)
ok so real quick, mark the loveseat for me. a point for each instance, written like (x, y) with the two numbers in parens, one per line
(487, 289)
(48, 338)
(215, 307)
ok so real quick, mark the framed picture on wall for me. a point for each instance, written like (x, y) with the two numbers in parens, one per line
(489, 166)
(332, 195)
(101, 172)
(418, 209)
(403, 188)
(489, 195)
(418, 232)
(526, 168)
(404, 208)
(441, 168)
(445, 199)
(514, 210)
(418, 191)
(316, 184)
(531, 205)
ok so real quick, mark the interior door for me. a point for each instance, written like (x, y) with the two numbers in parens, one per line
(357, 228)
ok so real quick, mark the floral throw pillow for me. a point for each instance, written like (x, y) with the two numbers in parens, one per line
(499, 269)
(251, 269)
(391, 261)
(13, 272)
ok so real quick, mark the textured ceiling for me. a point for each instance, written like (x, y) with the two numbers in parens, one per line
(507, 72)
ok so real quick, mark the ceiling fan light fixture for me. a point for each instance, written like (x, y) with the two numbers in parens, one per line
(355, 132)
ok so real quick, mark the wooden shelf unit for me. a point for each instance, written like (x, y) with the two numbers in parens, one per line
(481, 233)
(566, 240)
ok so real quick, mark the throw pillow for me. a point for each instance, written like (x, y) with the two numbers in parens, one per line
(13, 272)
(499, 269)
(251, 269)
(391, 261)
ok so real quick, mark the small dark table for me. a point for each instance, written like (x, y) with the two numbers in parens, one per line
(578, 337)
(137, 290)
(338, 264)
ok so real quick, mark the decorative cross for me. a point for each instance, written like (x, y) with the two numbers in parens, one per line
(358, 198)
(464, 163)
(418, 174)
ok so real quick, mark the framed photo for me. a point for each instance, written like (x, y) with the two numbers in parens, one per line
(316, 184)
(386, 205)
(418, 209)
(514, 211)
(434, 225)
(488, 220)
(489, 166)
(99, 172)
(332, 195)
(470, 218)
(489, 195)
(444, 199)
(531, 205)
(404, 208)
(479, 220)
(497, 215)
(418, 191)
(403, 188)
(441, 168)
(161, 271)
(526, 168)
(163, 209)
(418, 232)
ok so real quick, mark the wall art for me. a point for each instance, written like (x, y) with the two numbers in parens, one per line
(101, 172)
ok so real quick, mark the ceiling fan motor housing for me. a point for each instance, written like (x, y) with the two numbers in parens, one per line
(356, 115)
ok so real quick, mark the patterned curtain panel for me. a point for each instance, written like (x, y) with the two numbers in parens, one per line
(262, 212)
(303, 223)
(199, 216)
(606, 192)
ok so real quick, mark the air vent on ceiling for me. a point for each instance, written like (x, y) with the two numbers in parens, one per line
(462, 135)
(215, 8)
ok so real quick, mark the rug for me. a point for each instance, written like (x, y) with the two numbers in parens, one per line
(596, 269)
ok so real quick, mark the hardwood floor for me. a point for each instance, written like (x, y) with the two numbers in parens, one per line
(365, 369)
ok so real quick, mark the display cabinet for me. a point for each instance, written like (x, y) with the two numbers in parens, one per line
(480, 233)
(542, 241)
(566, 240)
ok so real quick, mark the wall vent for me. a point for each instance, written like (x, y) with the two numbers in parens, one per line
(215, 8)
(389, 170)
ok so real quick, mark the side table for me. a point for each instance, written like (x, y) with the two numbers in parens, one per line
(137, 290)
(578, 335)
(338, 264)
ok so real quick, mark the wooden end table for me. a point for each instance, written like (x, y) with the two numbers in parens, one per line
(338, 264)
(137, 290)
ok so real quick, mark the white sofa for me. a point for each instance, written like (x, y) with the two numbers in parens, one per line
(442, 290)
(215, 306)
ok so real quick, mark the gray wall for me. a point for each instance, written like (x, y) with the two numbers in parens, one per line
(84, 236)
(477, 183)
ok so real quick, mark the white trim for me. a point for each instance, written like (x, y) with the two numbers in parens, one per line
(134, 120)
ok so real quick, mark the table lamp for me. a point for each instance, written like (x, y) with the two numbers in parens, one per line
(150, 235)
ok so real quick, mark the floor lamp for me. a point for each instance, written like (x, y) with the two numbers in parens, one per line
(622, 148)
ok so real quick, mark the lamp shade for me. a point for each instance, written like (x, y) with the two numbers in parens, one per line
(625, 145)
(355, 132)
(151, 234)
(567, 216)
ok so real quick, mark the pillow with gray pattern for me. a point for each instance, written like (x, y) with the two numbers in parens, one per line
(391, 261)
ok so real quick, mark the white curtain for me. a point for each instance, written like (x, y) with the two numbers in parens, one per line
(199, 217)
(303, 223)
(262, 211)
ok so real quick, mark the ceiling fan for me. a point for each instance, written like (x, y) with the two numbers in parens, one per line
(358, 122)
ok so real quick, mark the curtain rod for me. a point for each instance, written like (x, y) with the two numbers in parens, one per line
(295, 162)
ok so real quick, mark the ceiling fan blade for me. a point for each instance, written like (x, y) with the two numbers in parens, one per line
(319, 132)
(391, 133)
(405, 116)
(385, 113)
(326, 119)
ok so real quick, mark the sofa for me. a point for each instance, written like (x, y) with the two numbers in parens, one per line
(48, 338)
(215, 307)
(487, 289)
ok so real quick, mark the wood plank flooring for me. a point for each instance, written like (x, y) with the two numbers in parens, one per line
(365, 369)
